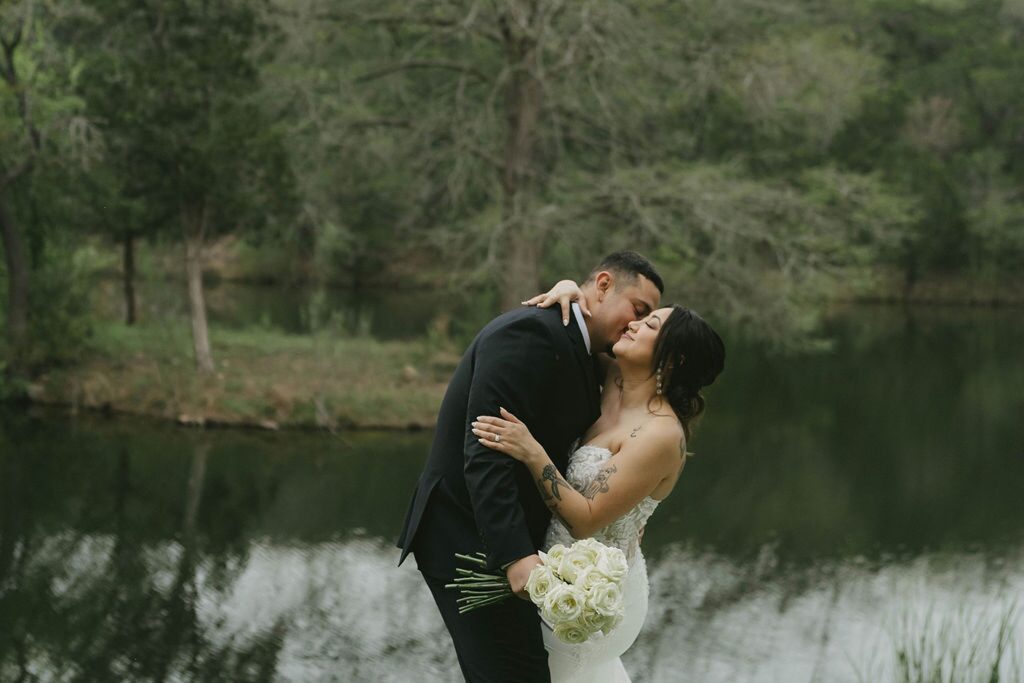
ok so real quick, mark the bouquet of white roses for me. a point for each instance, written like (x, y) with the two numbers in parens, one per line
(577, 589)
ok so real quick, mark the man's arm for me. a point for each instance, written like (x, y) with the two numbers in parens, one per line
(513, 368)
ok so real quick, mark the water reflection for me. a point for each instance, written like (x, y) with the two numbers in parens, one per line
(342, 611)
(840, 507)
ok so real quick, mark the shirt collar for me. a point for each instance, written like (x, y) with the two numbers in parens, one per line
(582, 323)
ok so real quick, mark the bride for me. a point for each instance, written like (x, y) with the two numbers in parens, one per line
(629, 462)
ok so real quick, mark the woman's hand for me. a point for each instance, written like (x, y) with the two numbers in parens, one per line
(564, 292)
(509, 436)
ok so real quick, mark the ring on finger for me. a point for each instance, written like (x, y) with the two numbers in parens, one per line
(497, 438)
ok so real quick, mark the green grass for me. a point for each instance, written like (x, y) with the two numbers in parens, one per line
(261, 375)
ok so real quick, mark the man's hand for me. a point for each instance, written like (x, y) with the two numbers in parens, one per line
(518, 572)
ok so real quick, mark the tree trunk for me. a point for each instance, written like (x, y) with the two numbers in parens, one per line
(129, 278)
(194, 492)
(195, 227)
(180, 632)
(520, 271)
(17, 290)
(10, 508)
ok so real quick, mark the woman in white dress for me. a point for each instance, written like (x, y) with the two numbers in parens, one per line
(630, 460)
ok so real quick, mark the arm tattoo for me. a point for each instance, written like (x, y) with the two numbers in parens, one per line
(599, 483)
(549, 473)
(551, 499)
(632, 434)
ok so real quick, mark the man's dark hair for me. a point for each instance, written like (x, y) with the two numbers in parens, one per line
(627, 265)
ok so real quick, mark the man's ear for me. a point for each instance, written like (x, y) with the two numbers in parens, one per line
(604, 281)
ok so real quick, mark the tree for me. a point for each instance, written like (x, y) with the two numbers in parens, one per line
(176, 86)
(46, 140)
(13, 168)
(946, 128)
(483, 104)
(524, 138)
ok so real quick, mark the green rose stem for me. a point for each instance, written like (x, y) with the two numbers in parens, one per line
(478, 589)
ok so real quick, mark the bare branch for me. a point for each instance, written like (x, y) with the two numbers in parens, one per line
(24, 167)
(356, 18)
(10, 45)
(450, 66)
(400, 20)
(380, 123)
(10, 76)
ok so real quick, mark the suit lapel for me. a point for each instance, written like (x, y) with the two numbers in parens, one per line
(586, 363)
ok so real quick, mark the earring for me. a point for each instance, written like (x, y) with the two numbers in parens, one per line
(658, 384)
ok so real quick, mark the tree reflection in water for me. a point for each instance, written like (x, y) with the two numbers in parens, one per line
(841, 505)
(343, 611)
(107, 607)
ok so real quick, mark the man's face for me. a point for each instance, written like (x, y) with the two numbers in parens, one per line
(620, 305)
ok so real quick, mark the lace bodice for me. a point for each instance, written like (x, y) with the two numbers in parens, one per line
(624, 533)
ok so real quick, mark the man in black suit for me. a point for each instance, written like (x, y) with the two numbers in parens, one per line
(471, 499)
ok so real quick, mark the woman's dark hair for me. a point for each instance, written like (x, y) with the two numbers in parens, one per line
(690, 355)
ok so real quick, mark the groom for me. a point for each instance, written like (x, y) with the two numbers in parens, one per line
(471, 499)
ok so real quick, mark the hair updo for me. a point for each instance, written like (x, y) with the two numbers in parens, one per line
(690, 356)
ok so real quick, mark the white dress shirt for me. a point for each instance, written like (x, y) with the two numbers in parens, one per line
(583, 325)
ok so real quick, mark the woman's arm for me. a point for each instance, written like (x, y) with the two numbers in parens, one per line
(563, 293)
(623, 481)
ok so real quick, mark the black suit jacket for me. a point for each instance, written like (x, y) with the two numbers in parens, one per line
(470, 498)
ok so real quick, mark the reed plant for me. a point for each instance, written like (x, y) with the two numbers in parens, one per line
(967, 644)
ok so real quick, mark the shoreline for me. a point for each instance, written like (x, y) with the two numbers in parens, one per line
(276, 381)
(107, 411)
(263, 380)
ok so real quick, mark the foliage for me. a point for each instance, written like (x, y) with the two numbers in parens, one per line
(47, 143)
(173, 86)
(766, 155)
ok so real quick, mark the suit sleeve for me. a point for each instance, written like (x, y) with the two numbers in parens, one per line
(513, 369)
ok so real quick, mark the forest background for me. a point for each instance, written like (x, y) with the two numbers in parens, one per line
(772, 158)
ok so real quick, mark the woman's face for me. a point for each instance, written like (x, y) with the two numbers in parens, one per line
(637, 343)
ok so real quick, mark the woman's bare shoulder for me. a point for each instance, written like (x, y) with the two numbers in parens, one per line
(664, 438)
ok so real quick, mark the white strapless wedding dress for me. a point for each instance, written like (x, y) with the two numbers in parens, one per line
(598, 659)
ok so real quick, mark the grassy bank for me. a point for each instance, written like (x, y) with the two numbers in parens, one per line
(263, 379)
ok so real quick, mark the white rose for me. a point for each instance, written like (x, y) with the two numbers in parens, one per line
(589, 577)
(612, 563)
(591, 544)
(553, 557)
(563, 603)
(610, 623)
(606, 599)
(542, 580)
(572, 633)
(591, 621)
(575, 560)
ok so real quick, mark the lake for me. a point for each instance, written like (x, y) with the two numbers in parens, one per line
(847, 513)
